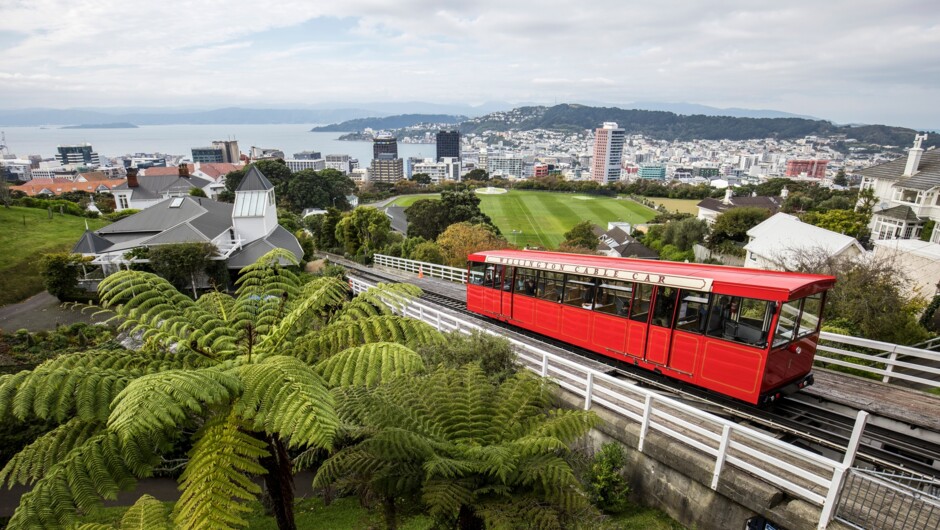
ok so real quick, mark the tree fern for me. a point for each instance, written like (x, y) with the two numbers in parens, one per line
(347, 334)
(315, 298)
(217, 480)
(285, 396)
(36, 459)
(383, 299)
(370, 364)
(157, 401)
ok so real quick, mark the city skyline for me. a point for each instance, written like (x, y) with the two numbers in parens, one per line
(850, 62)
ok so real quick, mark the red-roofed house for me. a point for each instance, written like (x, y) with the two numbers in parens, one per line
(59, 186)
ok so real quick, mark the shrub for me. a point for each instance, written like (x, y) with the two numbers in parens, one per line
(59, 273)
(494, 354)
(606, 485)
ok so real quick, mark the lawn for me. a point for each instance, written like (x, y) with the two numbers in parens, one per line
(540, 218)
(27, 234)
(678, 205)
(408, 200)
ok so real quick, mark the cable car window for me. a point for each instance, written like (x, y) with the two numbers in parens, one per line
(641, 302)
(580, 291)
(743, 320)
(789, 316)
(665, 306)
(477, 271)
(493, 277)
(692, 314)
(614, 297)
(550, 286)
(809, 319)
(507, 278)
(526, 281)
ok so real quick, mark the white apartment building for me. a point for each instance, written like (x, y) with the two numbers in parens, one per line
(447, 169)
(341, 163)
(296, 164)
(506, 165)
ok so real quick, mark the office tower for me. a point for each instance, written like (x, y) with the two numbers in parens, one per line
(384, 143)
(608, 152)
(77, 155)
(448, 145)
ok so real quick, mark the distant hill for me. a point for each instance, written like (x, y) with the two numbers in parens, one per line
(670, 126)
(391, 122)
(116, 125)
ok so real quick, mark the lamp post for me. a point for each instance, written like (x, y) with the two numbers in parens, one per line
(515, 237)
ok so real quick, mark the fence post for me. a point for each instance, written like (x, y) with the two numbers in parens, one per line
(889, 369)
(722, 451)
(838, 474)
(647, 412)
(544, 364)
(589, 391)
(438, 320)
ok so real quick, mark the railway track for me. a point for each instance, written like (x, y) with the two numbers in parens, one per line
(797, 420)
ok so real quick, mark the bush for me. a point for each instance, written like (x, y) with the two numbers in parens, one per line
(606, 485)
(60, 274)
(117, 216)
(494, 354)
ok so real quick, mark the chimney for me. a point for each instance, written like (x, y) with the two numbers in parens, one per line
(184, 170)
(727, 199)
(784, 192)
(132, 178)
(913, 156)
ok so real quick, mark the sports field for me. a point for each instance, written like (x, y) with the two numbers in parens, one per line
(540, 218)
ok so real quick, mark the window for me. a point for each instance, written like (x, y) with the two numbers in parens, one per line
(550, 286)
(526, 281)
(580, 291)
(738, 319)
(477, 270)
(693, 311)
(493, 277)
(789, 316)
(641, 302)
(614, 297)
(665, 307)
(809, 319)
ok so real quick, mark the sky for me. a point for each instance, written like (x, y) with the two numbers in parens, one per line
(848, 61)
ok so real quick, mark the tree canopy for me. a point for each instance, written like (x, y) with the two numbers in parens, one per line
(462, 239)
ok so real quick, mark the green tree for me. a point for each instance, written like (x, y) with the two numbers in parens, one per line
(464, 206)
(60, 273)
(479, 175)
(323, 228)
(244, 379)
(840, 178)
(182, 264)
(477, 454)
(685, 233)
(427, 218)
(429, 252)
(734, 224)
(581, 235)
(317, 189)
(462, 239)
(196, 192)
(848, 222)
(421, 178)
(363, 231)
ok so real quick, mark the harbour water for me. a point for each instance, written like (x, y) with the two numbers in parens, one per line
(180, 139)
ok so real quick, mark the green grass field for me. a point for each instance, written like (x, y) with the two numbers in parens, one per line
(27, 234)
(541, 218)
(678, 205)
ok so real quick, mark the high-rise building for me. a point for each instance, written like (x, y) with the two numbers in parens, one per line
(608, 153)
(307, 155)
(77, 155)
(386, 168)
(448, 144)
(652, 171)
(300, 164)
(341, 163)
(221, 151)
(384, 143)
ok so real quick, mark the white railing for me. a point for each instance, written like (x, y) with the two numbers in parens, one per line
(432, 270)
(893, 362)
(802, 473)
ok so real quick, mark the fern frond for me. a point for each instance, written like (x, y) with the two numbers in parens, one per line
(218, 304)
(270, 275)
(314, 300)
(99, 468)
(146, 514)
(61, 392)
(34, 461)
(445, 497)
(383, 299)
(284, 396)
(216, 483)
(347, 334)
(370, 364)
(566, 425)
(157, 401)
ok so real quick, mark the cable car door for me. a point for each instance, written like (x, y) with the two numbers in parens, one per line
(660, 330)
(498, 286)
(639, 320)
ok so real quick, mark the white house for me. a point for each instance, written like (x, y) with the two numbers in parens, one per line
(141, 192)
(782, 242)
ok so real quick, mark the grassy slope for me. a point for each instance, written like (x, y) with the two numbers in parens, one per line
(22, 246)
(543, 217)
(678, 205)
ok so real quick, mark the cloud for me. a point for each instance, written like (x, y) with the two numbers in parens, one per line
(846, 60)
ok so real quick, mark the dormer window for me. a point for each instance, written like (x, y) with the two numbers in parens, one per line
(908, 196)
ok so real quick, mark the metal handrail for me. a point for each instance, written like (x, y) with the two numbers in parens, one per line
(739, 446)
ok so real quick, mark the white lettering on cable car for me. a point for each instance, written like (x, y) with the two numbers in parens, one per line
(668, 280)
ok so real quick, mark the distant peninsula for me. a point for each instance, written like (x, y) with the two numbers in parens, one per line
(117, 125)
(400, 121)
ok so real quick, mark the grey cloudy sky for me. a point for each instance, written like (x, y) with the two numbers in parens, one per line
(849, 61)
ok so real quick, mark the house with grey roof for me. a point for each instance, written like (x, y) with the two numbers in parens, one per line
(709, 209)
(618, 243)
(783, 242)
(141, 192)
(242, 232)
(907, 194)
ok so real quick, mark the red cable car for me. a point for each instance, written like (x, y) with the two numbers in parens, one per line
(746, 333)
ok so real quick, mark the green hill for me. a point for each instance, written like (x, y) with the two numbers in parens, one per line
(27, 234)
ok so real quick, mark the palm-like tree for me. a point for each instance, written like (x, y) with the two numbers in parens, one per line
(250, 375)
(475, 452)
